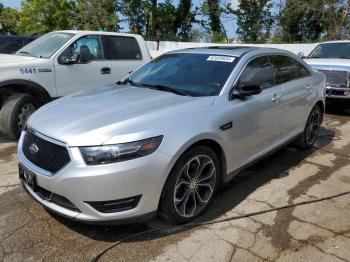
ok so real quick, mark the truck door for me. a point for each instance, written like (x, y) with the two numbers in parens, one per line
(90, 71)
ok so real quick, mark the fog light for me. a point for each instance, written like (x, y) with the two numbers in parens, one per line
(114, 206)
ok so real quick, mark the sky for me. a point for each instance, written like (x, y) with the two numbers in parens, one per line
(229, 22)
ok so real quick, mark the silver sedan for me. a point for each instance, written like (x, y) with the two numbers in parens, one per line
(162, 140)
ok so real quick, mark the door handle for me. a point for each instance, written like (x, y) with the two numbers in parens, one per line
(308, 87)
(275, 98)
(105, 70)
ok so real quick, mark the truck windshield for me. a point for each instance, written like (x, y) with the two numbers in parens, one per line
(45, 46)
(186, 73)
(331, 50)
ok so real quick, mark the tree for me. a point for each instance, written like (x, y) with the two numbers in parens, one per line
(300, 21)
(254, 20)
(212, 9)
(42, 16)
(9, 19)
(96, 15)
(137, 14)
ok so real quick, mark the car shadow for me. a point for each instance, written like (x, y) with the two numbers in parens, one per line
(226, 199)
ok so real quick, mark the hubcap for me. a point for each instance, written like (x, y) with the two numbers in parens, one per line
(24, 114)
(313, 127)
(194, 186)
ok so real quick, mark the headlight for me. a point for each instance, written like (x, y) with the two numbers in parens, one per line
(120, 152)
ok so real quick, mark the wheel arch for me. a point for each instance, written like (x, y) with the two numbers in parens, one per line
(210, 142)
(10, 87)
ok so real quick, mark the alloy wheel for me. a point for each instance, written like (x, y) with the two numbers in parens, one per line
(313, 127)
(194, 186)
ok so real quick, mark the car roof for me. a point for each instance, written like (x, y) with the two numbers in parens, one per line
(237, 51)
(94, 32)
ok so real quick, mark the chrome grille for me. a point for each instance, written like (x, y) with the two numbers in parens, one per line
(336, 78)
(49, 156)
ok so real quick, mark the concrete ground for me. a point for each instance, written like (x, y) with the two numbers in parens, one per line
(313, 232)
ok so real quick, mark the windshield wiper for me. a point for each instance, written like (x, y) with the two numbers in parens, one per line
(166, 89)
(25, 52)
(128, 81)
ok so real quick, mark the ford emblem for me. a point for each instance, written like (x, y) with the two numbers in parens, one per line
(33, 149)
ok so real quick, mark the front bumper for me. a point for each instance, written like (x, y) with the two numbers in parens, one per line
(337, 93)
(80, 183)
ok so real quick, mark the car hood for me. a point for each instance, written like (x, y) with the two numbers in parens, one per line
(123, 113)
(328, 63)
(14, 60)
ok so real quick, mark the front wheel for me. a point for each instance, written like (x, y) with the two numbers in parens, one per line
(15, 113)
(312, 129)
(190, 186)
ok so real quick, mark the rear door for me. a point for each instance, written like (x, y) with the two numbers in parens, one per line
(295, 80)
(123, 53)
(259, 128)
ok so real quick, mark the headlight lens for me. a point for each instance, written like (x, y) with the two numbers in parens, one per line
(120, 152)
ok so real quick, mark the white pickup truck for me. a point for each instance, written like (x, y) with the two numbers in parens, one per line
(60, 63)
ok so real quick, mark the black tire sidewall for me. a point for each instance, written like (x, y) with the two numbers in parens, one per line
(308, 145)
(10, 112)
(167, 208)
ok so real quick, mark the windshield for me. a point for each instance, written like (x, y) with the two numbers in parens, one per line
(331, 50)
(191, 74)
(45, 46)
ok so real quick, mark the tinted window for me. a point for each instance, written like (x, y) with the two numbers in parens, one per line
(195, 74)
(287, 69)
(332, 50)
(120, 47)
(258, 71)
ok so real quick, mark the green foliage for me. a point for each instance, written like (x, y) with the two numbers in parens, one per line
(254, 20)
(42, 16)
(9, 19)
(161, 20)
(300, 21)
(96, 15)
(212, 10)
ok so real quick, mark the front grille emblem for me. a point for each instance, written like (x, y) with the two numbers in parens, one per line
(33, 149)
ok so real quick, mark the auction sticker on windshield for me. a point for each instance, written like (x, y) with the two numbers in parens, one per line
(227, 59)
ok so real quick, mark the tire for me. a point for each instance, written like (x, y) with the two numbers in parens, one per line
(308, 138)
(197, 192)
(15, 113)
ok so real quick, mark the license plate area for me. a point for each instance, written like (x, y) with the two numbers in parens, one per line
(28, 177)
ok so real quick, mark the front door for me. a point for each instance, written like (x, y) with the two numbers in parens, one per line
(257, 119)
(91, 71)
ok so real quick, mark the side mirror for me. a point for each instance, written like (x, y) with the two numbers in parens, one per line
(71, 59)
(246, 89)
(301, 55)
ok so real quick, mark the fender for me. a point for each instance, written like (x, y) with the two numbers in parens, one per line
(26, 86)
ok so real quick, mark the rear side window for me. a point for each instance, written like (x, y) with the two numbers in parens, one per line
(287, 69)
(121, 48)
(258, 71)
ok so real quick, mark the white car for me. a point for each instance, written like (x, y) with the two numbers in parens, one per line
(169, 134)
(333, 60)
(61, 63)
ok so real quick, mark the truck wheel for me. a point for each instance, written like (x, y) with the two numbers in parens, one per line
(14, 114)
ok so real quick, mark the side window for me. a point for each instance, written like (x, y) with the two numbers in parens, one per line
(121, 48)
(258, 71)
(287, 69)
(87, 48)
